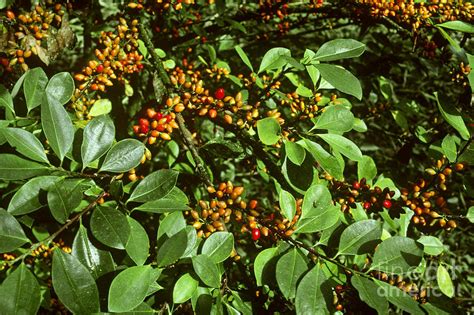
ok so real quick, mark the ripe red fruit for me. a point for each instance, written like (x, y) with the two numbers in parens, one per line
(356, 185)
(144, 122)
(339, 288)
(255, 234)
(168, 118)
(158, 116)
(99, 68)
(160, 127)
(140, 66)
(366, 205)
(219, 94)
(144, 128)
(387, 204)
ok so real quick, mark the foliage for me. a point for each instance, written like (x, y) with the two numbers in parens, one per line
(323, 162)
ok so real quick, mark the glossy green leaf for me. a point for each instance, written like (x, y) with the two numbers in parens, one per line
(16, 168)
(61, 87)
(366, 168)
(171, 224)
(73, 284)
(129, 288)
(163, 205)
(244, 57)
(289, 269)
(295, 152)
(397, 255)
(63, 197)
(101, 107)
(98, 137)
(11, 233)
(123, 156)
(57, 126)
(287, 204)
(261, 264)
(452, 116)
(172, 249)
(20, 292)
(335, 118)
(341, 79)
(458, 26)
(6, 99)
(154, 186)
(360, 237)
(327, 161)
(99, 262)
(268, 130)
(218, 246)
(110, 227)
(25, 143)
(316, 199)
(322, 220)
(313, 294)
(449, 147)
(274, 59)
(337, 49)
(34, 86)
(399, 298)
(26, 199)
(184, 288)
(368, 292)
(470, 214)
(207, 270)
(343, 145)
(431, 245)
(445, 283)
(138, 244)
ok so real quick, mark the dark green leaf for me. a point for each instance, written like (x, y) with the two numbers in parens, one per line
(313, 293)
(295, 152)
(61, 87)
(368, 292)
(25, 143)
(218, 246)
(138, 244)
(287, 204)
(63, 197)
(20, 292)
(316, 199)
(327, 161)
(11, 233)
(320, 221)
(366, 168)
(172, 249)
(341, 79)
(154, 186)
(26, 199)
(261, 263)
(452, 116)
(16, 168)
(268, 130)
(98, 137)
(335, 118)
(34, 86)
(343, 145)
(123, 156)
(207, 270)
(73, 284)
(360, 237)
(244, 57)
(6, 99)
(458, 26)
(110, 227)
(398, 255)
(162, 206)
(339, 49)
(449, 147)
(184, 288)
(274, 59)
(399, 298)
(289, 269)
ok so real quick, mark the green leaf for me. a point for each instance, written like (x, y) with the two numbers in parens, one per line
(63, 197)
(268, 130)
(34, 86)
(452, 116)
(431, 245)
(16, 168)
(129, 288)
(207, 270)
(304, 91)
(11, 233)
(295, 152)
(343, 145)
(20, 292)
(99, 134)
(397, 255)
(459, 26)
(171, 224)
(366, 168)
(154, 186)
(341, 79)
(138, 244)
(163, 205)
(218, 246)
(449, 147)
(57, 126)
(123, 156)
(368, 292)
(339, 49)
(110, 227)
(26, 199)
(335, 118)
(25, 143)
(470, 214)
(244, 57)
(316, 199)
(399, 298)
(274, 59)
(313, 294)
(261, 264)
(320, 221)
(101, 107)
(172, 249)
(19, 83)
(184, 288)
(327, 161)
(73, 284)
(287, 204)
(6, 99)
(99, 262)
(360, 237)
(60, 87)
(289, 269)
(444, 281)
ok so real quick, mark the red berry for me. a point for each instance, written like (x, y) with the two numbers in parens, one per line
(158, 116)
(366, 205)
(356, 185)
(136, 129)
(387, 204)
(255, 234)
(144, 122)
(219, 94)
(168, 118)
(144, 128)
(160, 127)
(140, 66)
(100, 68)
(339, 288)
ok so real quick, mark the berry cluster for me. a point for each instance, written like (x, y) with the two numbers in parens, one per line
(159, 6)
(155, 125)
(460, 74)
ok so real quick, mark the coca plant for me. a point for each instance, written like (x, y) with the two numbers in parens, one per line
(234, 157)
